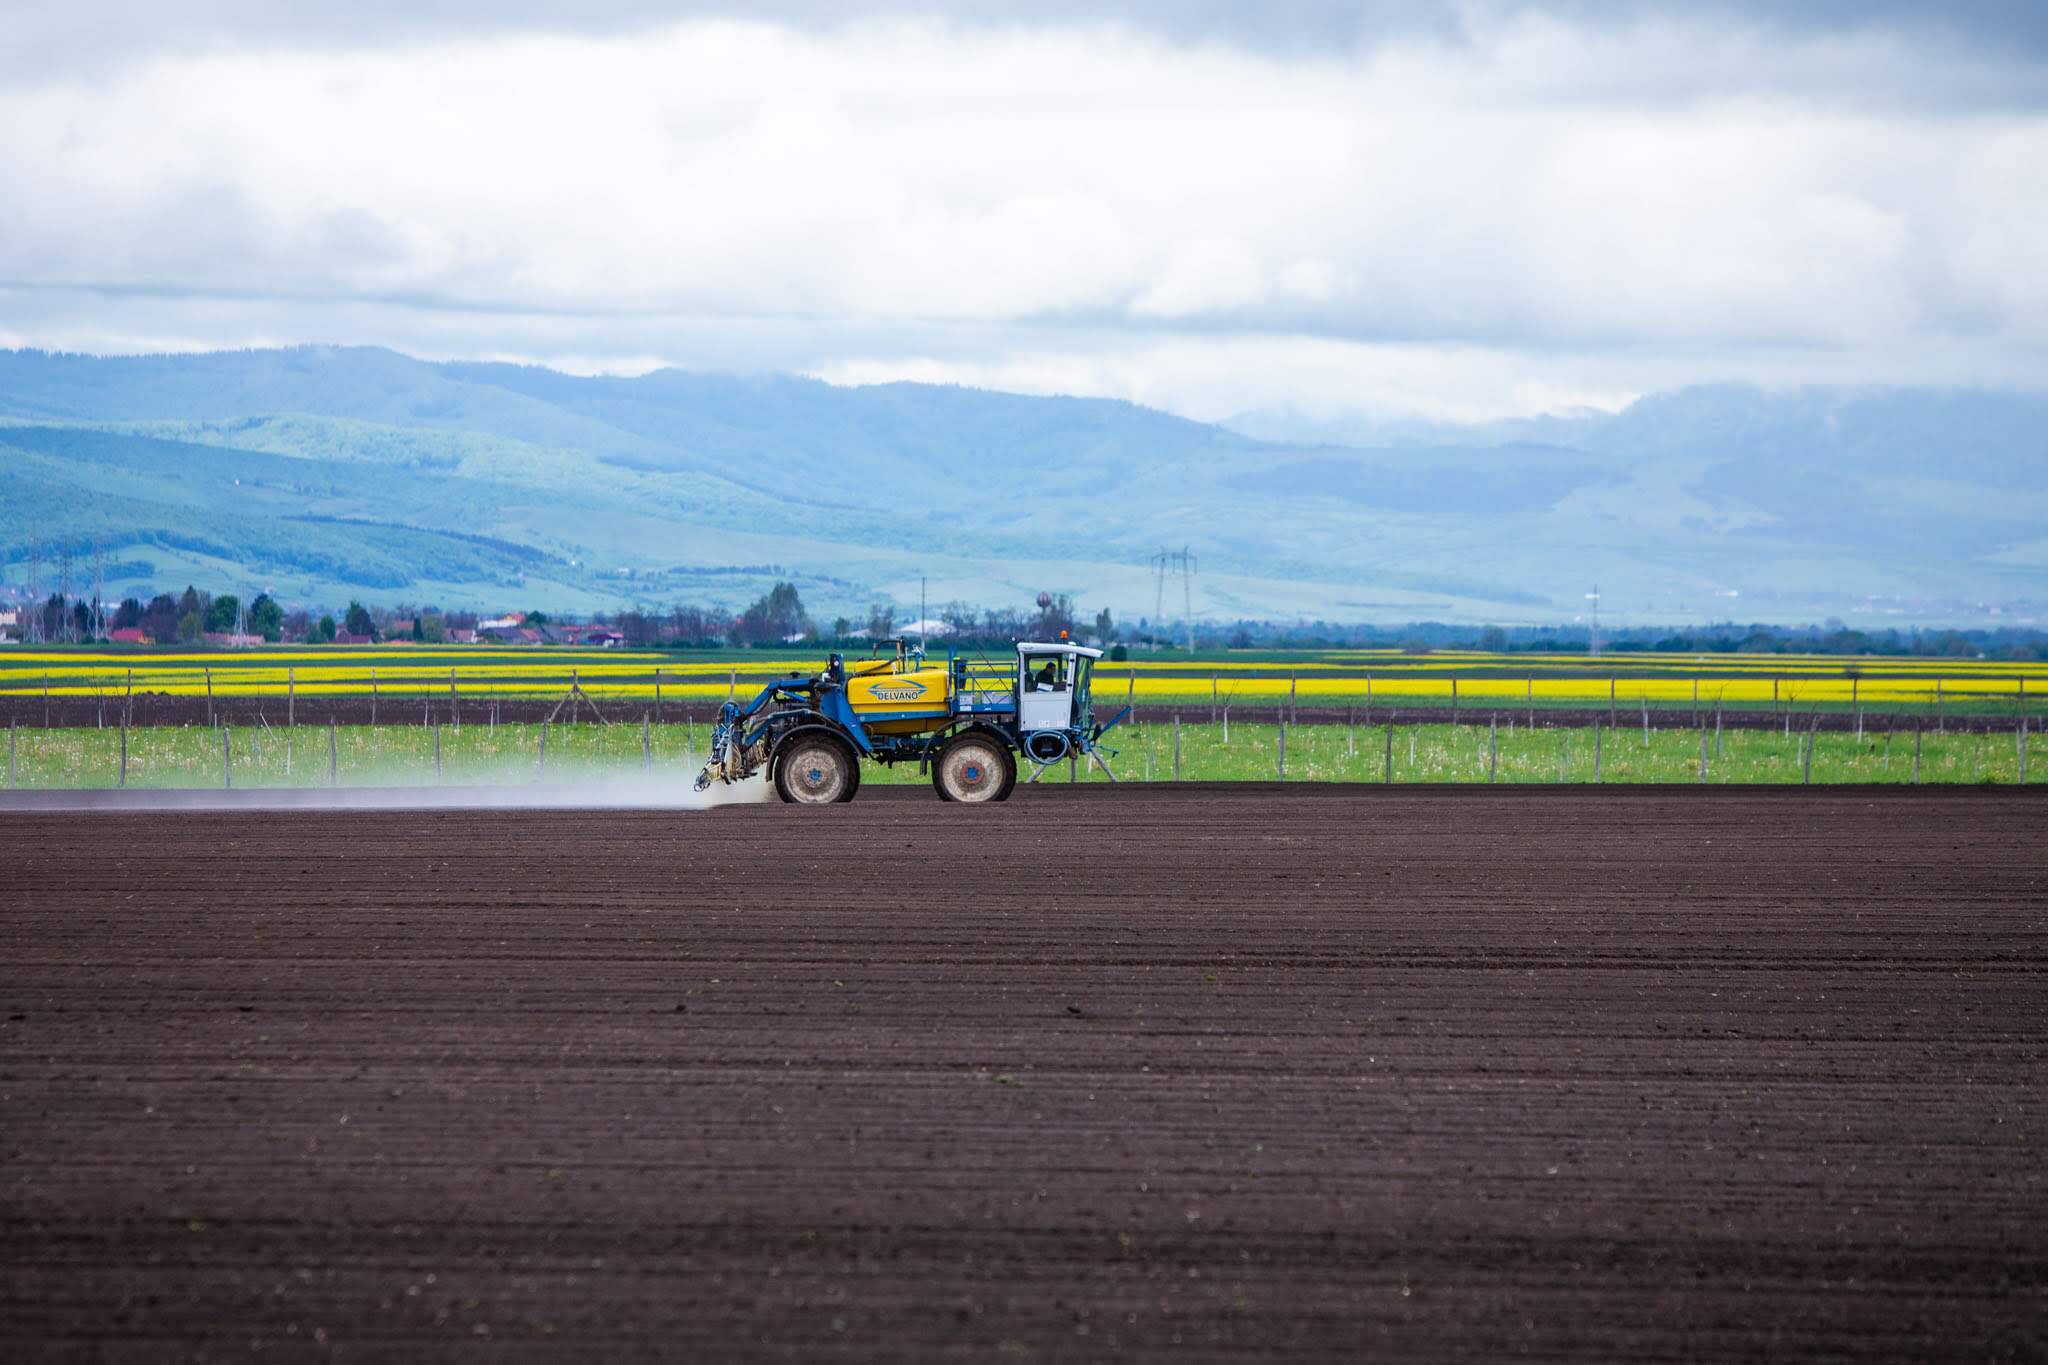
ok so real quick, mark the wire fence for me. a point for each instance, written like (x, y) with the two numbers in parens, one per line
(487, 752)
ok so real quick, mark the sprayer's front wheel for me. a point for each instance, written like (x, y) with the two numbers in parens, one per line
(974, 768)
(815, 771)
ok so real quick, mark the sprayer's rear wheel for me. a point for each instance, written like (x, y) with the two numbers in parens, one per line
(815, 771)
(974, 768)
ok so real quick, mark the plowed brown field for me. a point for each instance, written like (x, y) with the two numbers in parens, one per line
(1322, 1071)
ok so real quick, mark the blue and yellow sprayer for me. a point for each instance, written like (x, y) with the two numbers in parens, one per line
(963, 720)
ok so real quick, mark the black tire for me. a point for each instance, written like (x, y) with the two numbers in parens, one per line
(816, 770)
(974, 768)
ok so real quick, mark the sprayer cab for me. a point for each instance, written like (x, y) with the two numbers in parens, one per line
(963, 721)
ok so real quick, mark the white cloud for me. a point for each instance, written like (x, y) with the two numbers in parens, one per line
(1542, 212)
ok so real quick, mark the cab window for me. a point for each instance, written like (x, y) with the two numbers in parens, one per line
(1045, 673)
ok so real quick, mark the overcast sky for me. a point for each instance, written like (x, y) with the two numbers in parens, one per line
(1459, 211)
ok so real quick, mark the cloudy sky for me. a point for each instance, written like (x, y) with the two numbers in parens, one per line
(1451, 210)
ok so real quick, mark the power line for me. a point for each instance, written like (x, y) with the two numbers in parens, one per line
(1164, 565)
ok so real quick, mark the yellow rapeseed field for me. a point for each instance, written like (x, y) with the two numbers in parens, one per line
(1352, 679)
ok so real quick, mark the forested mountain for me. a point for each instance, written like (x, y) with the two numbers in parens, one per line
(325, 473)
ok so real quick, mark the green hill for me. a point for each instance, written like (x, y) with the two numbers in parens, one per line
(326, 473)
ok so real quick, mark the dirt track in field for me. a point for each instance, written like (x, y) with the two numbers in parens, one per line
(1323, 1071)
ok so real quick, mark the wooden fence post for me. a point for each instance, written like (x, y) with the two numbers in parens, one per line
(1293, 698)
(454, 703)
(1695, 703)
(1703, 756)
(128, 702)
(1806, 766)
(1717, 730)
(373, 696)
(1939, 724)
(124, 754)
(1856, 705)
(732, 685)
(1213, 699)
(291, 696)
(542, 767)
(1646, 719)
(1530, 697)
(2023, 751)
(1611, 712)
(1368, 701)
(1454, 700)
(1492, 746)
(1280, 753)
(209, 696)
(657, 696)
(1389, 771)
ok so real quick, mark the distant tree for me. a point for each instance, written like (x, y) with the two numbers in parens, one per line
(881, 621)
(537, 618)
(776, 616)
(160, 617)
(324, 632)
(1117, 654)
(224, 612)
(430, 628)
(841, 628)
(694, 625)
(266, 618)
(81, 620)
(128, 616)
(193, 603)
(1105, 628)
(1493, 640)
(357, 620)
(418, 631)
(191, 627)
(1001, 627)
(637, 627)
(1055, 616)
(962, 623)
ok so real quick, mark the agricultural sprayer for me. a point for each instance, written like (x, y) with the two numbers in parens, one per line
(963, 721)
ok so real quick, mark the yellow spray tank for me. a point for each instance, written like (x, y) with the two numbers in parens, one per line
(900, 696)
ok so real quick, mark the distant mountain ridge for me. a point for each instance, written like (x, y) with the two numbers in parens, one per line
(322, 473)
